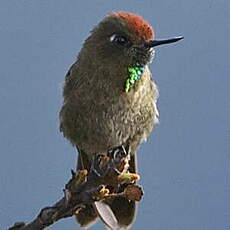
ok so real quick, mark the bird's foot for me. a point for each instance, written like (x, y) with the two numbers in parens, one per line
(113, 167)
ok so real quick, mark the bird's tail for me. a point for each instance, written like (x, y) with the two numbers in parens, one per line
(88, 215)
(116, 213)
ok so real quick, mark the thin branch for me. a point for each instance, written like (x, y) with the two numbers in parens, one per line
(84, 188)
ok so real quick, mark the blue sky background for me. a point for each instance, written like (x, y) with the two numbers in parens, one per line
(185, 163)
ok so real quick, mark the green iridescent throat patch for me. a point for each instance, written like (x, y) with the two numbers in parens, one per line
(135, 74)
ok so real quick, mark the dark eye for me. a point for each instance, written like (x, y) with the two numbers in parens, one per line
(119, 39)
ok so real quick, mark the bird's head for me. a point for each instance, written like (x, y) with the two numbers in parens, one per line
(123, 39)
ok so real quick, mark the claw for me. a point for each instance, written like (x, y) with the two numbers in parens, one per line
(112, 167)
(95, 172)
(118, 153)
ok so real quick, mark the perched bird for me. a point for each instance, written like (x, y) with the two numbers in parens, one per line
(110, 101)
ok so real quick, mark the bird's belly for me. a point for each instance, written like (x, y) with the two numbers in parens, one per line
(101, 128)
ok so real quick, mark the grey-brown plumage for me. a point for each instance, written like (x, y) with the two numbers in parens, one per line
(97, 114)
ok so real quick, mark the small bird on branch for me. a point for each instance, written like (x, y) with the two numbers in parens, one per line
(110, 105)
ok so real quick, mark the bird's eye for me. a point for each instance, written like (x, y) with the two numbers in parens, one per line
(119, 39)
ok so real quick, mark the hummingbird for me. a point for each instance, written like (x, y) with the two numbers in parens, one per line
(110, 101)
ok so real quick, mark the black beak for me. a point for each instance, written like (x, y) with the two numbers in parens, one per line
(153, 43)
